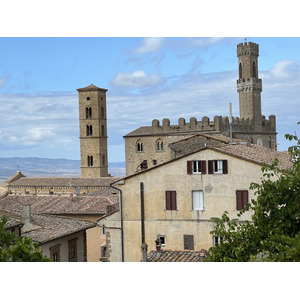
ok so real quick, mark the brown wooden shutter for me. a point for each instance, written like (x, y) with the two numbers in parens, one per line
(171, 203)
(210, 167)
(225, 167)
(203, 166)
(188, 242)
(189, 167)
(173, 200)
(239, 200)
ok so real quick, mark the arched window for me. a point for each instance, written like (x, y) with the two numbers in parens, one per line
(90, 161)
(160, 145)
(259, 142)
(88, 112)
(139, 146)
(240, 71)
(89, 130)
(253, 69)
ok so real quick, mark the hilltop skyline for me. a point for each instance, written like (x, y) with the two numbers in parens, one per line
(146, 78)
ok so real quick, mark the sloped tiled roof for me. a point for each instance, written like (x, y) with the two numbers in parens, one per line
(91, 87)
(50, 227)
(256, 154)
(63, 181)
(82, 204)
(176, 256)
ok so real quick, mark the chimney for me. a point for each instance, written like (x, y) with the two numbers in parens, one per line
(144, 252)
(26, 216)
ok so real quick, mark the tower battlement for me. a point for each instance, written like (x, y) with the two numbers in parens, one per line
(219, 124)
(247, 49)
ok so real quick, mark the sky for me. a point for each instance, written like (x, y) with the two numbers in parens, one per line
(147, 78)
(153, 67)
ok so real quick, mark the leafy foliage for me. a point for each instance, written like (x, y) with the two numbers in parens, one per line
(18, 249)
(274, 232)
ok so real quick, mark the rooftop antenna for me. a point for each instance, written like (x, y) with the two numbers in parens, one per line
(230, 122)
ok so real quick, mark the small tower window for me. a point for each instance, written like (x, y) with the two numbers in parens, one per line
(90, 161)
(140, 147)
(88, 98)
(254, 69)
(89, 130)
(88, 112)
(240, 71)
(102, 112)
(103, 160)
(102, 130)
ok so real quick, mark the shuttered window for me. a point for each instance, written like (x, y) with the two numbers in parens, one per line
(171, 202)
(241, 199)
(217, 167)
(188, 242)
(196, 167)
(197, 199)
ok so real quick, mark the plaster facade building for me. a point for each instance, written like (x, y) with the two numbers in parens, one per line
(174, 201)
(61, 239)
(148, 146)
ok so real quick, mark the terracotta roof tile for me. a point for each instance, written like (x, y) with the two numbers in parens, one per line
(63, 181)
(82, 204)
(51, 227)
(176, 256)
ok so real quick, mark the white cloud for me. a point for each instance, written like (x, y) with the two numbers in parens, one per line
(282, 69)
(151, 44)
(203, 42)
(136, 79)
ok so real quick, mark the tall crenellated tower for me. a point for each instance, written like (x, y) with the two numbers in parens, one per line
(249, 86)
(93, 132)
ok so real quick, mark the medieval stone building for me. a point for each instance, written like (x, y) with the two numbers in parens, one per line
(93, 132)
(148, 146)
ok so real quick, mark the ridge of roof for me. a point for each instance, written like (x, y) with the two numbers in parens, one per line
(91, 87)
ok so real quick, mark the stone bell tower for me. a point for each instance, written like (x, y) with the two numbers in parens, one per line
(93, 132)
(249, 86)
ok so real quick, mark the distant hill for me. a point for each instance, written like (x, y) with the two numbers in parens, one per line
(46, 167)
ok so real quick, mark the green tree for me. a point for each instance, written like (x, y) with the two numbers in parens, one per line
(274, 232)
(18, 249)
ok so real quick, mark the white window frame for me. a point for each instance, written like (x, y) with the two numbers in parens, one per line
(164, 237)
(217, 240)
(196, 167)
(218, 166)
(200, 204)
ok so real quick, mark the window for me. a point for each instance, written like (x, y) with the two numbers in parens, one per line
(140, 147)
(103, 229)
(196, 167)
(171, 202)
(102, 130)
(102, 112)
(162, 239)
(73, 250)
(103, 251)
(160, 145)
(154, 162)
(88, 98)
(55, 253)
(89, 130)
(240, 71)
(197, 200)
(90, 161)
(188, 242)
(88, 112)
(217, 167)
(217, 240)
(259, 142)
(103, 160)
(241, 199)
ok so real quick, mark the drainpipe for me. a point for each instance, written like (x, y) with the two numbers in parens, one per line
(142, 212)
(121, 210)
